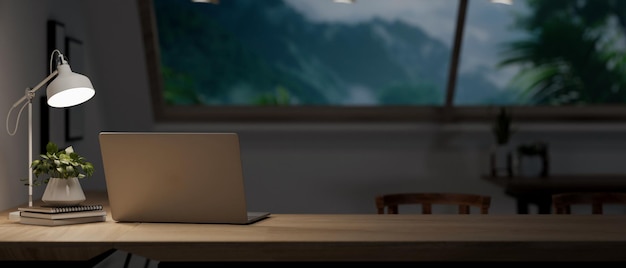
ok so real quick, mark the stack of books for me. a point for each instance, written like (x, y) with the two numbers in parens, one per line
(53, 216)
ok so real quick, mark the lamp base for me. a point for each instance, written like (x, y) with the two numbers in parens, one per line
(14, 215)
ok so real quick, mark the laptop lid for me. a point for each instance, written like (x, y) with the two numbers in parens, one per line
(175, 177)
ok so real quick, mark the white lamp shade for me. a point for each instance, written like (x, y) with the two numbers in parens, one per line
(69, 88)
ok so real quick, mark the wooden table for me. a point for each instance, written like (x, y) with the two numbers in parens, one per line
(539, 190)
(332, 237)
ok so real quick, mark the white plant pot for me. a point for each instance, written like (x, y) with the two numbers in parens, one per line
(63, 192)
(530, 166)
(500, 160)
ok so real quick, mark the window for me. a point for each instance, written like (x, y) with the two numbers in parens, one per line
(544, 53)
(316, 60)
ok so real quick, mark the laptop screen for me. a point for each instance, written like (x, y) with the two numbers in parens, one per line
(174, 177)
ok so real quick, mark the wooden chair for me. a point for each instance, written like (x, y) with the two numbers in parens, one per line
(562, 202)
(463, 201)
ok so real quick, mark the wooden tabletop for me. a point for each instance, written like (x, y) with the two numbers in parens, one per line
(333, 237)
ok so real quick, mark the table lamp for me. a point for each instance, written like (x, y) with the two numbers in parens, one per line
(68, 89)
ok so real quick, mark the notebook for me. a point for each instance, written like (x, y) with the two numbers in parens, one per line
(175, 177)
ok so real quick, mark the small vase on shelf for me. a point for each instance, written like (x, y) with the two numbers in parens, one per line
(501, 155)
(533, 159)
(501, 161)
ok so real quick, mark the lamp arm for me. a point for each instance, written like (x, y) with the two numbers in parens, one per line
(28, 101)
(28, 97)
(32, 91)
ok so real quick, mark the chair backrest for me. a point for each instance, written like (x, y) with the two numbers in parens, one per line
(562, 202)
(462, 200)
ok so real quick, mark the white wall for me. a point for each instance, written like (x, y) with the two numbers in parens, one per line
(290, 167)
(24, 63)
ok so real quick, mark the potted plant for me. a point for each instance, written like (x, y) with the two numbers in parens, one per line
(501, 128)
(501, 158)
(63, 169)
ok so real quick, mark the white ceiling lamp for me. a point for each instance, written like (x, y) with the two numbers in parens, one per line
(506, 2)
(207, 1)
(344, 1)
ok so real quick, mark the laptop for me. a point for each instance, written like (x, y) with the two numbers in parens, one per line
(175, 177)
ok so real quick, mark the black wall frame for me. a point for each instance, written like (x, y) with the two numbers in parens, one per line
(55, 40)
(74, 116)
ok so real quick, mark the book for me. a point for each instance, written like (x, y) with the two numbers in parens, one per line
(44, 209)
(66, 215)
(57, 222)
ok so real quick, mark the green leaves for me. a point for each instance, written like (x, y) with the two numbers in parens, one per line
(60, 164)
(51, 148)
(502, 127)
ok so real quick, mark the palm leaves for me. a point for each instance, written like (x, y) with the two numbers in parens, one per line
(569, 59)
